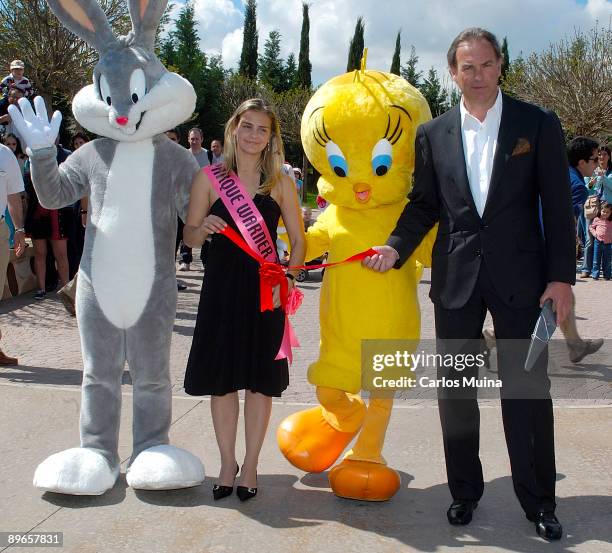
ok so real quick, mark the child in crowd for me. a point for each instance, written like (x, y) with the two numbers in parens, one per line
(601, 229)
(16, 79)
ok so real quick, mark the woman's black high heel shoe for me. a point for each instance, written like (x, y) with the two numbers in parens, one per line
(219, 492)
(245, 493)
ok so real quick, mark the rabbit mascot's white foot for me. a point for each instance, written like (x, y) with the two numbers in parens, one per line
(137, 179)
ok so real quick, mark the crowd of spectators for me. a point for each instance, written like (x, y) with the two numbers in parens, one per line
(591, 182)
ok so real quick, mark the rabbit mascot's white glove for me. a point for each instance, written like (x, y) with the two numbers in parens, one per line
(35, 128)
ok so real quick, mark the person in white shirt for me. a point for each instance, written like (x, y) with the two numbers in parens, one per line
(195, 138)
(481, 171)
(11, 188)
(216, 152)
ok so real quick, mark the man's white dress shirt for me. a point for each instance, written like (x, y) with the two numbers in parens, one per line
(479, 144)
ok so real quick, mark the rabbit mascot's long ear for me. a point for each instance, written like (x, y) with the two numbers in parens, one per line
(133, 97)
(86, 19)
(145, 15)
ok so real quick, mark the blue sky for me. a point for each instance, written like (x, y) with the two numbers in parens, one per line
(529, 25)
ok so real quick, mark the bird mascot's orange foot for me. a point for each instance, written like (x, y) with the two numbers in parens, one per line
(358, 131)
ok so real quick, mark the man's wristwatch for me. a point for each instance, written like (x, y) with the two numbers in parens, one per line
(20, 229)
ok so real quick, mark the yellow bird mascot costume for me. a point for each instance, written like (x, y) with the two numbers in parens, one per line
(358, 131)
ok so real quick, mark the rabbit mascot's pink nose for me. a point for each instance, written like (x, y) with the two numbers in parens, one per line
(122, 121)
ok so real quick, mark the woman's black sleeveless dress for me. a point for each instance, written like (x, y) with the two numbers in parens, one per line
(234, 344)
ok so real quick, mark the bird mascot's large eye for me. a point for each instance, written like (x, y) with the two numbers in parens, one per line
(382, 157)
(138, 84)
(336, 159)
(104, 90)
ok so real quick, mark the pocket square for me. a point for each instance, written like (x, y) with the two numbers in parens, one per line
(522, 147)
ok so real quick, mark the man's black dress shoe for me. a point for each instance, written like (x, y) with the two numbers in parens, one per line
(460, 512)
(547, 526)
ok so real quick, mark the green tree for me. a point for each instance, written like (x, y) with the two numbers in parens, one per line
(573, 78)
(395, 64)
(213, 113)
(271, 67)
(248, 56)
(356, 46)
(434, 93)
(454, 97)
(58, 63)
(304, 69)
(236, 89)
(291, 78)
(505, 58)
(181, 52)
(167, 52)
(409, 71)
(188, 57)
(162, 27)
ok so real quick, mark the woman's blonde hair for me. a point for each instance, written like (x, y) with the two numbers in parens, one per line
(271, 160)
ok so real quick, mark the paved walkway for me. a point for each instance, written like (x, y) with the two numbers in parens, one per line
(294, 512)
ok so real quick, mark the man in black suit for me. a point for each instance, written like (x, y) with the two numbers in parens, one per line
(482, 170)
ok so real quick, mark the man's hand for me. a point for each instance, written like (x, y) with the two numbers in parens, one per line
(383, 260)
(561, 295)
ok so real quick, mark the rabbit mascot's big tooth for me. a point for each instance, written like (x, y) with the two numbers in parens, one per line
(137, 179)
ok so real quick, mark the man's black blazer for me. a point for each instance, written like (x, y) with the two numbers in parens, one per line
(520, 251)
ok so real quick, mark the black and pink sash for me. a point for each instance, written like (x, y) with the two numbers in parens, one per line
(257, 242)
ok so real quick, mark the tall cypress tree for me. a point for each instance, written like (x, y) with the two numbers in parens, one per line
(304, 70)
(248, 57)
(505, 58)
(395, 64)
(356, 46)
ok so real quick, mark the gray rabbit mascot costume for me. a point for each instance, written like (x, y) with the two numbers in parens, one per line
(137, 179)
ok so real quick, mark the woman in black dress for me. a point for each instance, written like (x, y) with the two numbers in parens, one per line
(234, 344)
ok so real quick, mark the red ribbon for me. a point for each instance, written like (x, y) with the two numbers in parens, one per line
(270, 275)
(277, 269)
(357, 257)
(273, 274)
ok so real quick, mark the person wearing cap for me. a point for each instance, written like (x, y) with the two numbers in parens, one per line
(16, 79)
(11, 187)
(299, 183)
